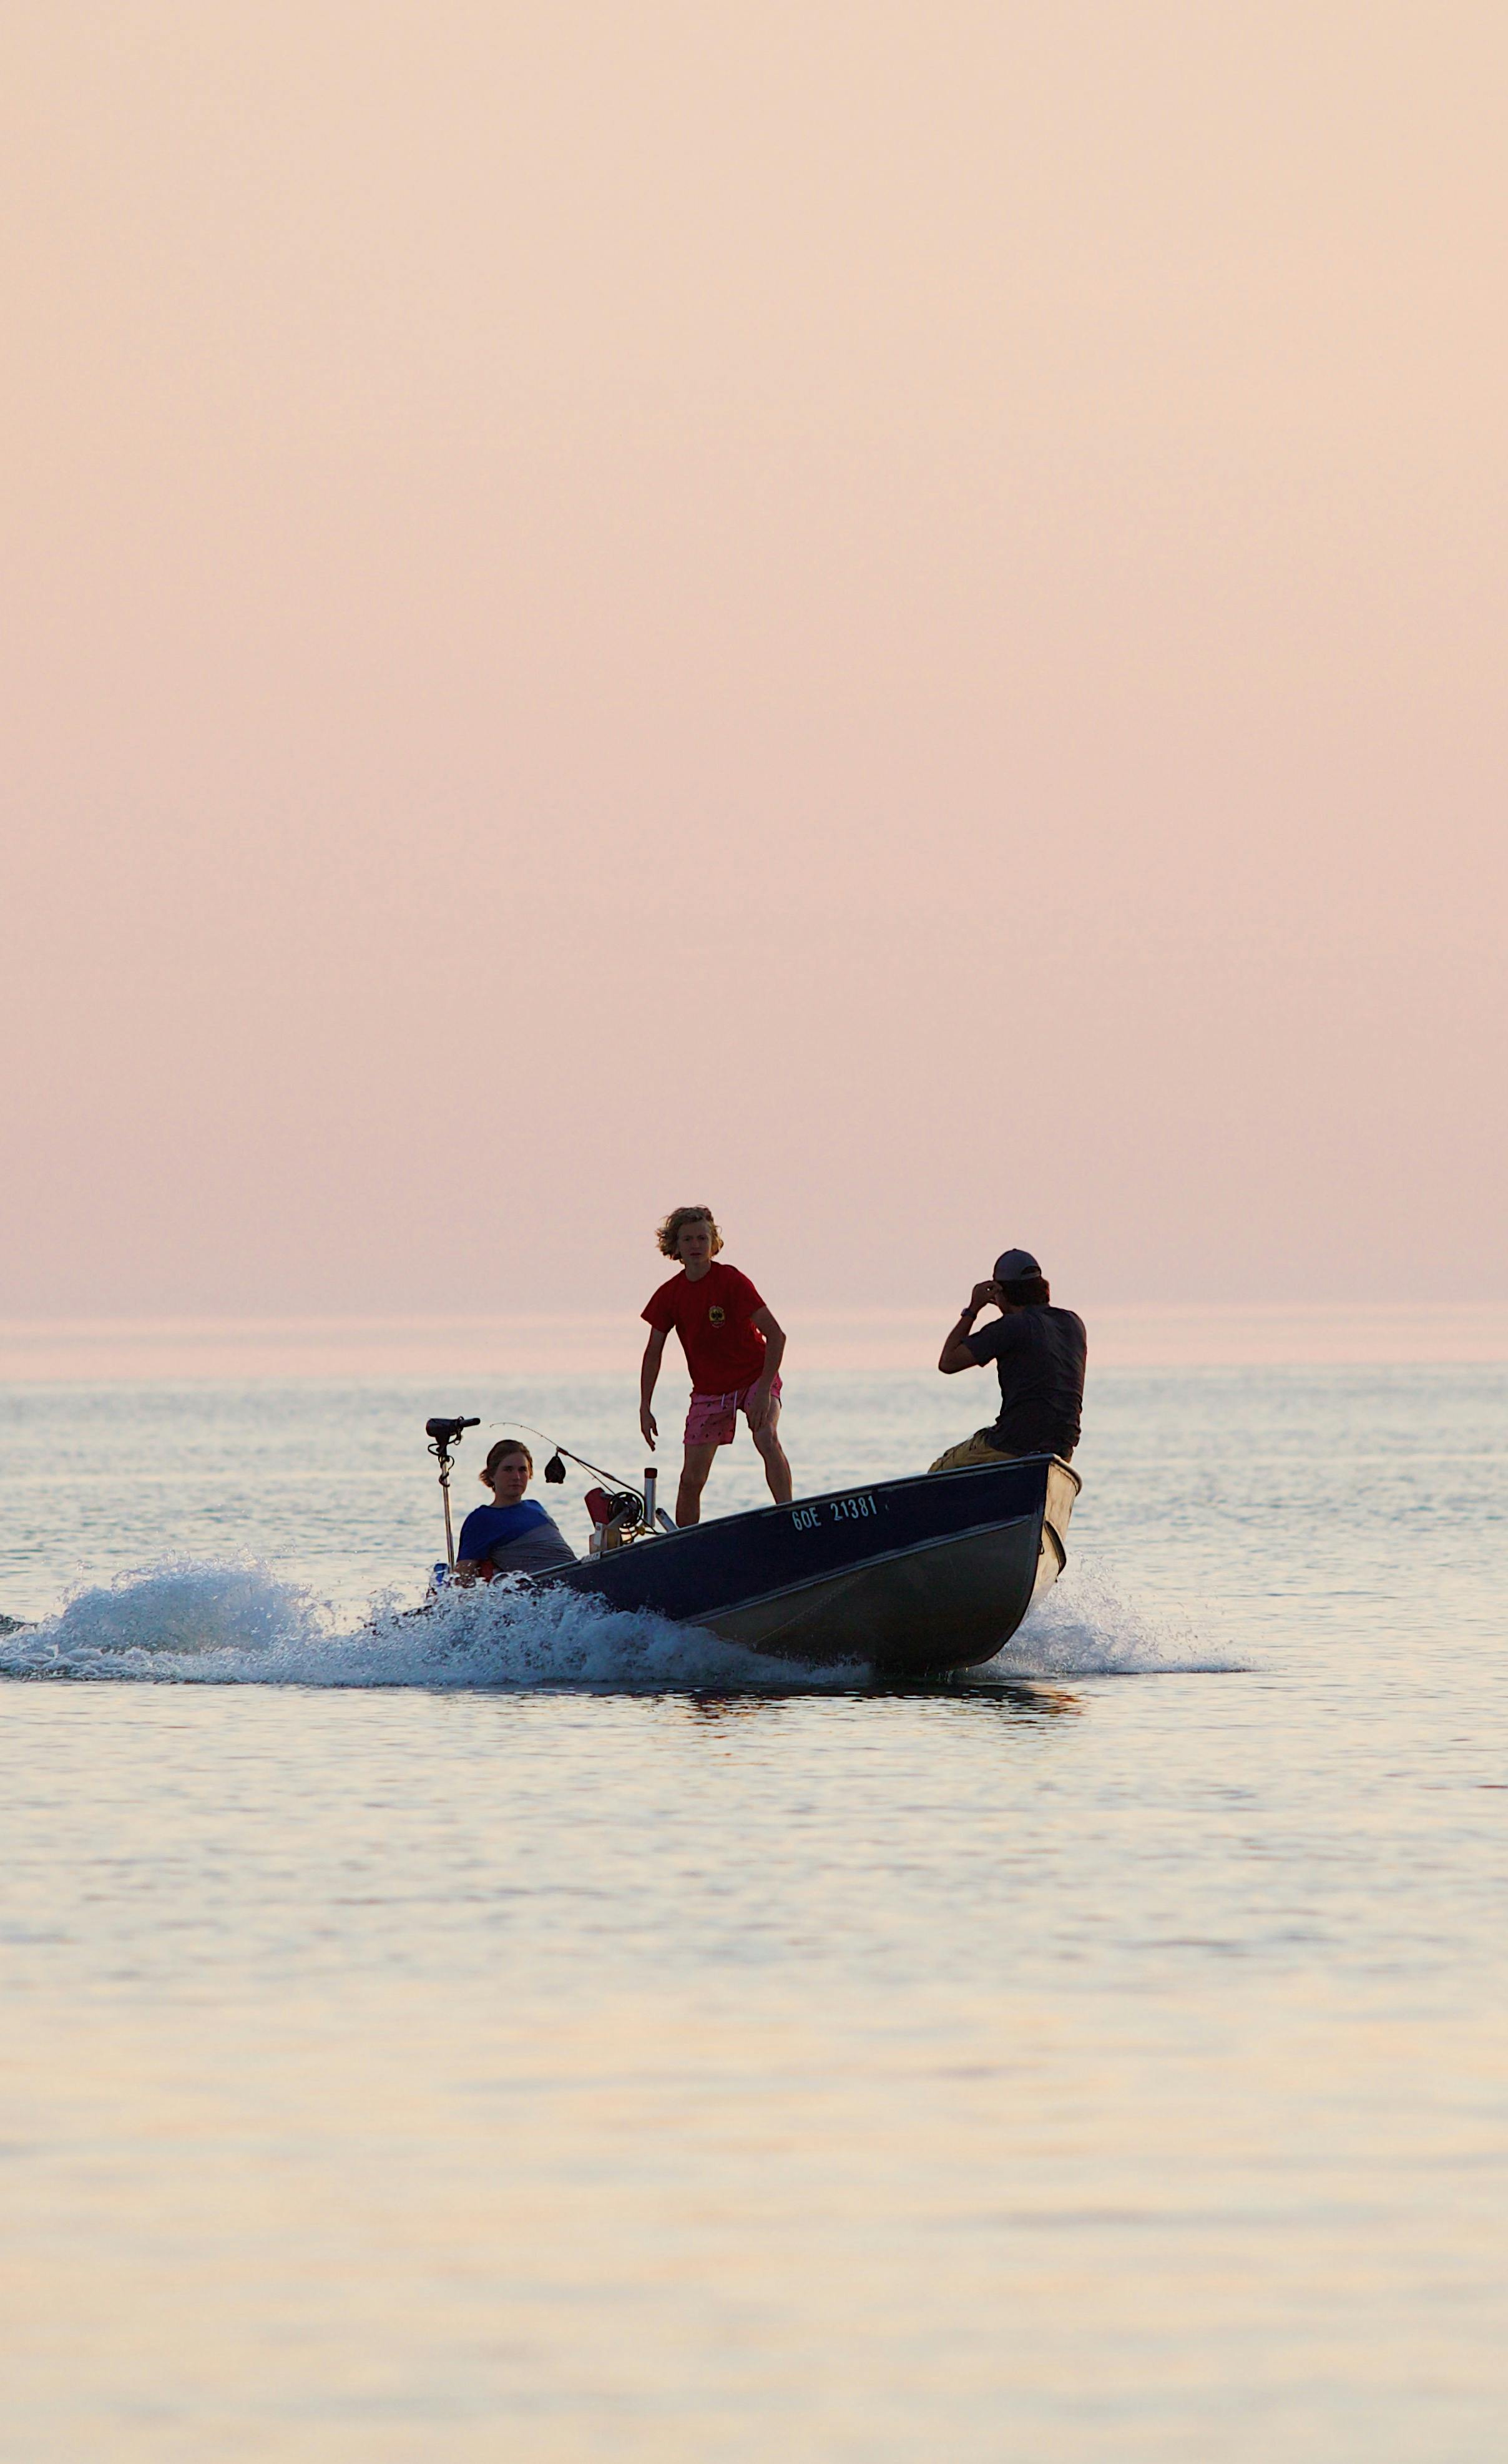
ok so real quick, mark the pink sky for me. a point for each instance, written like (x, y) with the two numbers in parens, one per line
(891, 615)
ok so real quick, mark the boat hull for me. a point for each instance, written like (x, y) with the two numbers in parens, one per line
(912, 1576)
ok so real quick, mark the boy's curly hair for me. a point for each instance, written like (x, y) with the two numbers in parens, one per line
(669, 1231)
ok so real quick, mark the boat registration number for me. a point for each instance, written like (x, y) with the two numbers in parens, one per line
(832, 1509)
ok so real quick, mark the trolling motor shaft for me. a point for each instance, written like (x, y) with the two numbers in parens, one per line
(442, 1435)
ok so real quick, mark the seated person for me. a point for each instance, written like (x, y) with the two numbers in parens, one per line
(513, 1535)
(1038, 1352)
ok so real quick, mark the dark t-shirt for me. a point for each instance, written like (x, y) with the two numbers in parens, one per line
(723, 1350)
(1040, 1354)
(520, 1539)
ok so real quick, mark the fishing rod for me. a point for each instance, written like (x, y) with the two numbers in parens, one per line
(622, 1498)
(554, 1468)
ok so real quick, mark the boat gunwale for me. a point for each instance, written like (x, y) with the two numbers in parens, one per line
(829, 1496)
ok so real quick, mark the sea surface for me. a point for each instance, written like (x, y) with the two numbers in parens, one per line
(545, 2036)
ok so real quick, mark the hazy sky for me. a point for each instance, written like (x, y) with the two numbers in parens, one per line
(891, 615)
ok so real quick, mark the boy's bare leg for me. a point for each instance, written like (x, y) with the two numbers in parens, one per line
(776, 1470)
(693, 1480)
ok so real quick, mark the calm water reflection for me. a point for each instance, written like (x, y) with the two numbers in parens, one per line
(1066, 2062)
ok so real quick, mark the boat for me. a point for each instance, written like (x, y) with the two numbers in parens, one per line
(913, 1577)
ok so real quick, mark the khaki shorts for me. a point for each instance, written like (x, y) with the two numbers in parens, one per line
(976, 1449)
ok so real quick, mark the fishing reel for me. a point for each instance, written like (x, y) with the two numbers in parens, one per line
(615, 1505)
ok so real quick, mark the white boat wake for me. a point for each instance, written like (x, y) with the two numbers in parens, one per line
(240, 1623)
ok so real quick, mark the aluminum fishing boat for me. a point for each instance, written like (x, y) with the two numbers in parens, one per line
(914, 1577)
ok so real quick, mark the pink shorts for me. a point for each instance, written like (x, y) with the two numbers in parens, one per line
(712, 1420)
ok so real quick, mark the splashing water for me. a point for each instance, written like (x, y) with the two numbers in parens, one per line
(241, 1624)
(238, 1623)
(1084, 1628)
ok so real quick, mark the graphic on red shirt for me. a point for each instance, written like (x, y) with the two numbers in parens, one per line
(723, 1352)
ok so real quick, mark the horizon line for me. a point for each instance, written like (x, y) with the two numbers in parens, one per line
(538, 1344)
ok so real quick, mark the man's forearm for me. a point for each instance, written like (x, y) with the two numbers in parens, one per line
(957, 1333)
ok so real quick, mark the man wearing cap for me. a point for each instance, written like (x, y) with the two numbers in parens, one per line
(1038, 1352)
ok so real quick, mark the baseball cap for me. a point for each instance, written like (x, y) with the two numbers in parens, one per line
(1013, 1263)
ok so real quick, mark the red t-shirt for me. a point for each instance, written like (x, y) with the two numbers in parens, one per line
(723, 1353)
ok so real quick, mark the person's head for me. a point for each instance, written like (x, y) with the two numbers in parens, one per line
(1019, 1282)
(506, 1471)
(690, 1234)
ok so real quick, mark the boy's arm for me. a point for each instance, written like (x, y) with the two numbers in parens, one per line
(649, 1372)
(758, 1406)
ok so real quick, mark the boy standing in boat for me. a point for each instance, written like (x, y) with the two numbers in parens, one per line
(733, 1349)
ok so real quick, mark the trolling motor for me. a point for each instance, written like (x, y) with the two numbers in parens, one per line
(442, 1435)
